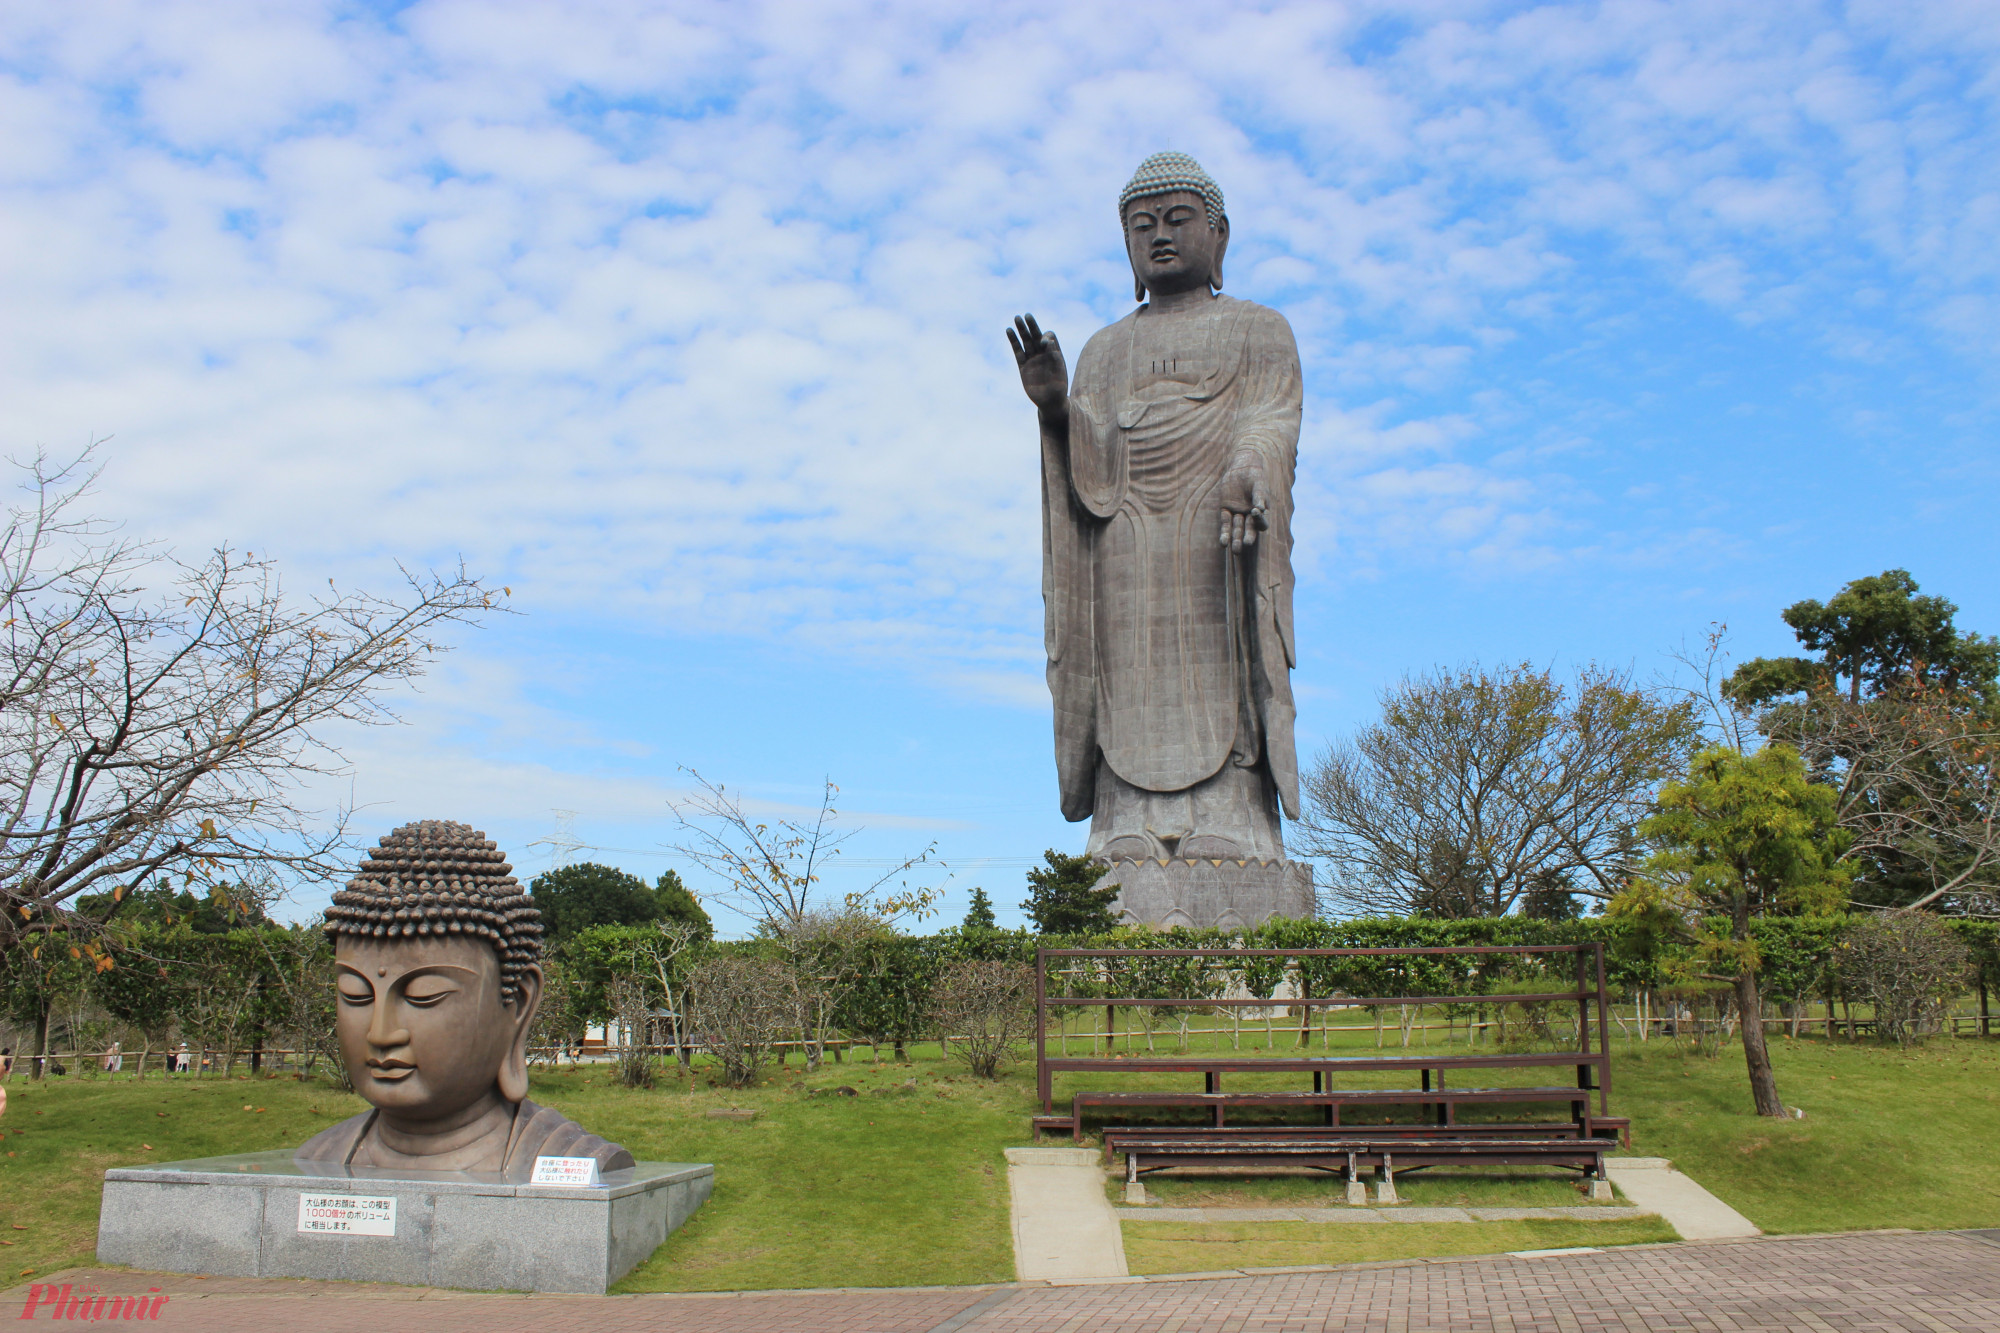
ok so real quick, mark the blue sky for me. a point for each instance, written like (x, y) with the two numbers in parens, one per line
(684, 322)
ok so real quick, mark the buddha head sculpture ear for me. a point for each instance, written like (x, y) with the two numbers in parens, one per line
(513, 1079)
(1221, 228)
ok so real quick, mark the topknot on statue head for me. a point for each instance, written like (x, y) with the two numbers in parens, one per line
(1163, 173)
(437, 877)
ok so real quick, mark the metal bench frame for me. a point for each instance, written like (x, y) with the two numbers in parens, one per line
(1151, 1150)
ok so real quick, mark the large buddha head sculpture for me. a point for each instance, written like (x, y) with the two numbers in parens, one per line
(437, 953)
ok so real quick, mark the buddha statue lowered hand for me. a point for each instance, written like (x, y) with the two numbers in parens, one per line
(437, 953)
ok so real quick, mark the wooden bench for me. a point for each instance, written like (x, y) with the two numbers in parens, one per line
(1595, 1127)
(1351, 1153)
(1589, 1058)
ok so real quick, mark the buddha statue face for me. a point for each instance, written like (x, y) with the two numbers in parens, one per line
(423, 1025)
(1172, 244)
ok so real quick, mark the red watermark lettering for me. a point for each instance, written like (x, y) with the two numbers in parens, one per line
(67, 1302)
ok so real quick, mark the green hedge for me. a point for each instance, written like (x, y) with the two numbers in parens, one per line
(164, 971)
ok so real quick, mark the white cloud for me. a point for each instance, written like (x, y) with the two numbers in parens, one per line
(689, 315)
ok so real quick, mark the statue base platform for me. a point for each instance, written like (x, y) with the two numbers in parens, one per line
(264, 1215)
(1230, 895)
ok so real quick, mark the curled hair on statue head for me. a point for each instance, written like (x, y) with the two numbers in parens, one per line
(435, 878)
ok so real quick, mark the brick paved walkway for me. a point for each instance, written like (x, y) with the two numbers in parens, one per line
(1883, 1283)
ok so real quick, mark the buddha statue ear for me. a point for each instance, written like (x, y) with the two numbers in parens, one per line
(527, 998)
(1221, 248)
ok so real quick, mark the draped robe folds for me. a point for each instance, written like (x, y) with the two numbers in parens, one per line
(1169, 656)
(535, 1131)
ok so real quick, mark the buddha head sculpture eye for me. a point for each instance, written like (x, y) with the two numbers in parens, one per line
(437, 951)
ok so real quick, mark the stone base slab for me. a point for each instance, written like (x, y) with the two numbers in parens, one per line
(1225, 894)
(238, 1216)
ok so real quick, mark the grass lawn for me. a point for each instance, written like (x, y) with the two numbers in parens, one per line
(61, 1134)
(906, 1184)
(1890, 1139)
(902, 1184)
(1194, 1247)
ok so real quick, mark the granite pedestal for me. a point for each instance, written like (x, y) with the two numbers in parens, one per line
(240, 1216)
(1224, 894)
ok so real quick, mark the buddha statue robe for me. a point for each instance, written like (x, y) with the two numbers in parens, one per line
(535, 1131)
(1169, 656)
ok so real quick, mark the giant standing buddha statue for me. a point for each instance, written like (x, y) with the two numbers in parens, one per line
(1166, 571)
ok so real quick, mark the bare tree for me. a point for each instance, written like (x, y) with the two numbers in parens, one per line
(984, 1012)
(631, 1002)
(823, 962)
(1918, 777)
(159, 717)
(741, 1006)
(655, 959)
(1910, 966)
(771, 872)
(1477, 786)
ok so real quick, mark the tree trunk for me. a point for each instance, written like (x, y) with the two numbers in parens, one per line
(42, 1041)
(1763, 1083)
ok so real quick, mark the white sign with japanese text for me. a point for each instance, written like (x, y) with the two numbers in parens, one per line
(346, 1215)
(566, 1171)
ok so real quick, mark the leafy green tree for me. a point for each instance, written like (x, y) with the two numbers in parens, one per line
(38, 976)
(888, 997)
(678, 903)
(1876, 636)
(574, 898)
(1743, 837)
(1063, 897)
(1899, 712)
(140, 990)
(980, 915)
(1551, 897)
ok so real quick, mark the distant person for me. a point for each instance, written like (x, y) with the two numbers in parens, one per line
(6, 1062)
(114, 1059)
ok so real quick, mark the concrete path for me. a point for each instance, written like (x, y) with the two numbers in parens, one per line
(1064, 1228)
(1653, 1184)
(1380, 1215)
(1935, 1282)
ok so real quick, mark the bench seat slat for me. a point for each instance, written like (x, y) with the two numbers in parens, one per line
(1389, 1095)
